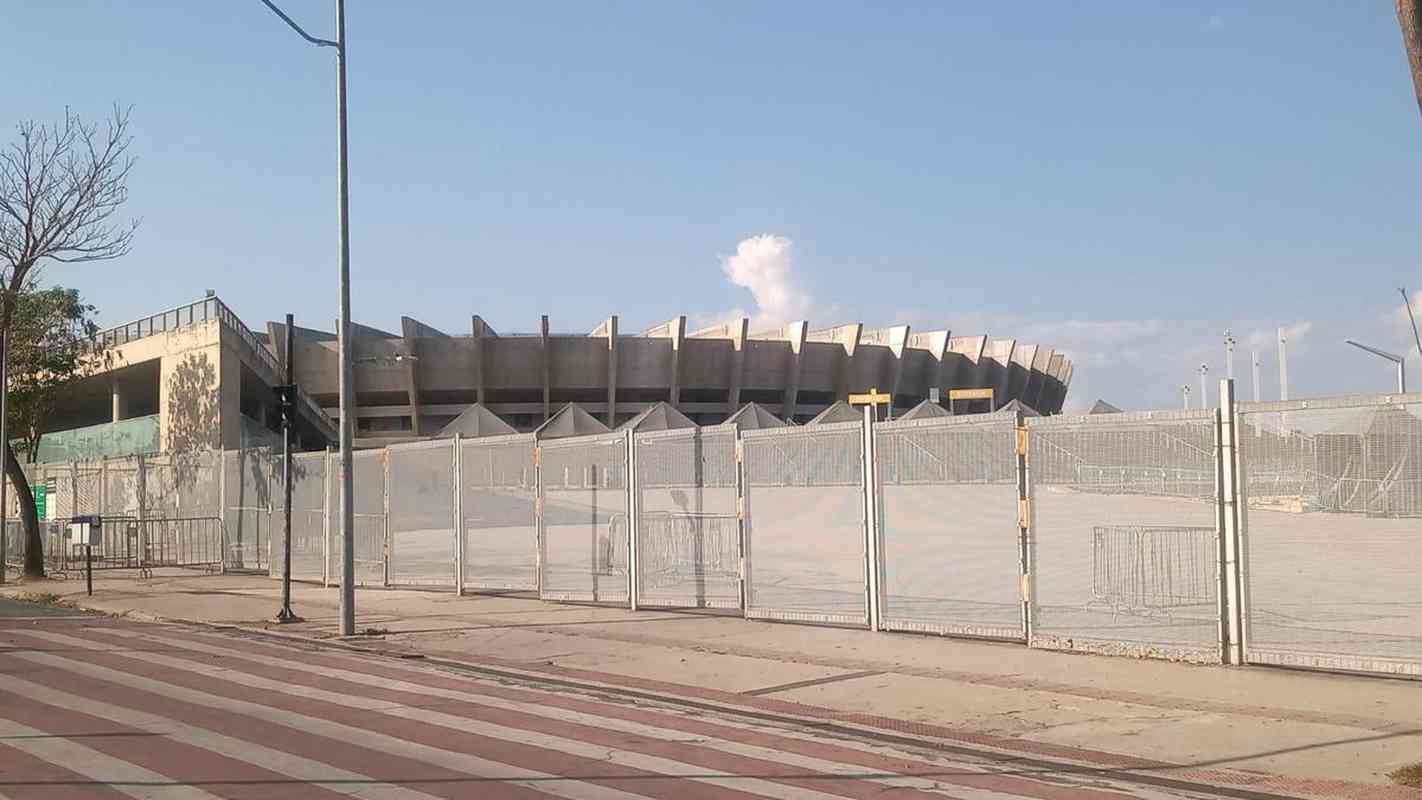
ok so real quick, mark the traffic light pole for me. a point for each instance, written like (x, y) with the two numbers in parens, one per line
(286, 395)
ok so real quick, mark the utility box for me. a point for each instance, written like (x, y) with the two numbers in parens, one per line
(86, 531)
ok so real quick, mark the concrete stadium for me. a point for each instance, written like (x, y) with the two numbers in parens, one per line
(196, 376)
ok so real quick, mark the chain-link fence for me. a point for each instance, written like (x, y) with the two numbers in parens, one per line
(805, 534)
(422, 523)
(583, 524)
(1124, 538)
(949, 526)
(688, 531)
(499, 490)
(1332, 517)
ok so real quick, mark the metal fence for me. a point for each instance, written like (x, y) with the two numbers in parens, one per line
(688, 531)
(583, 522)
(948, 506)
(498, 490)
(805, 542)
(1278, 533)
(1331, 515)
(1124, 534)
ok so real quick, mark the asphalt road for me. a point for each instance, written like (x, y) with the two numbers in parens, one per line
(95, 707)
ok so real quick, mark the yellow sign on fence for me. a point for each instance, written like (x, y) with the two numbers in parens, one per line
(873, 398)
(969, 394)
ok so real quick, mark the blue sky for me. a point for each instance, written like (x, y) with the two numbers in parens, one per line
(1122, 180)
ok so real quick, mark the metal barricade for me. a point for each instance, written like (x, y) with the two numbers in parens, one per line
(308, 517)
(1106, 573)
(499, 488)
(949, 524)
(805, 557)
(1331, 515)
(583, 525)
(688, 531)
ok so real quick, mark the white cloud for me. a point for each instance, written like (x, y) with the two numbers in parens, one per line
(765, 265)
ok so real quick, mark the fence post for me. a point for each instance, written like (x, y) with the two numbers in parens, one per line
(142, 511)
(539, 543)
(326, 518)
(1026, 543)
(873, 540)
(633, 511)
(458, 515)
(385, 514)
(743, 561)
(1230, 595)
(222, 503)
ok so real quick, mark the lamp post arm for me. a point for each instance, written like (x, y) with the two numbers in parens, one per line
(303, 34)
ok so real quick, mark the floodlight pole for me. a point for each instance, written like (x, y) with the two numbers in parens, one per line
(1417, 337)
(1204, 386)
(343, 343)
(1400, 361)
(1185, 395)
(1255, 357)
(1229, 355)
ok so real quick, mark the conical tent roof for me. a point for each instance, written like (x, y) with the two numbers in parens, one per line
(474, 422)
(658, 417)
(1014, 404)
(754, 416)
(1103, 407)
(839, 412)
(570, 420)
(926, 410)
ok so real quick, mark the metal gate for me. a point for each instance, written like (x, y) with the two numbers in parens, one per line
(688, 531)
(422, 524)
(805, 541)
(583, 541)
(1124, 542)
(949, 525)
(1331, 517)
(498, 486)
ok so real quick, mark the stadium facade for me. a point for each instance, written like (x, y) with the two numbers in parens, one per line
(197, 376)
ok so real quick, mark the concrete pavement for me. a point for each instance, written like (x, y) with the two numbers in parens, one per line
(1322, 735)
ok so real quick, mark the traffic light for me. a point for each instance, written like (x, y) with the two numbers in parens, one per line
(286, 401)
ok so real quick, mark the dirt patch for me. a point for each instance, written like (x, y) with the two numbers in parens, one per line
(1410, 775)
(43, 599)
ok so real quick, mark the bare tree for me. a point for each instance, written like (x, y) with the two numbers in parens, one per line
(61, 187)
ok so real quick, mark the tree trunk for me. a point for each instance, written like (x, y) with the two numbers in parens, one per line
(34, 543)
(1411, 24)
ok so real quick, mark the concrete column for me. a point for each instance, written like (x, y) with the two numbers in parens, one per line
(850, 342)
(611, 371)
(480, 329)
(120, 403)
(545, 368)
(677, 338)
(898, 338)
(409, 331)
(1037, 377)
(738, 364)
(1005, 352)
(795, 333)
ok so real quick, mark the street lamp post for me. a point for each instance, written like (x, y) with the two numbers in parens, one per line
(343, 343)
(1400, 361)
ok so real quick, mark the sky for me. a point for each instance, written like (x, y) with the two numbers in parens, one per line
(1122, 181)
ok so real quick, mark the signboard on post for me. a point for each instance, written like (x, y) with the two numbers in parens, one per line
(41, 493)
(955, 395)
(872, 398)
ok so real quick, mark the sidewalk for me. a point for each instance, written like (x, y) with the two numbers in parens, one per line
(1301, 726)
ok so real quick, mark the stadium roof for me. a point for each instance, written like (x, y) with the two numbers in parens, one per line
(926, 410)
(658, 417)
(570, 420)
(754, 416)
(474, 422)
(839, 412)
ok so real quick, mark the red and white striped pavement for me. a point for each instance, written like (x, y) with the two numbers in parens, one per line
(113, 709)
